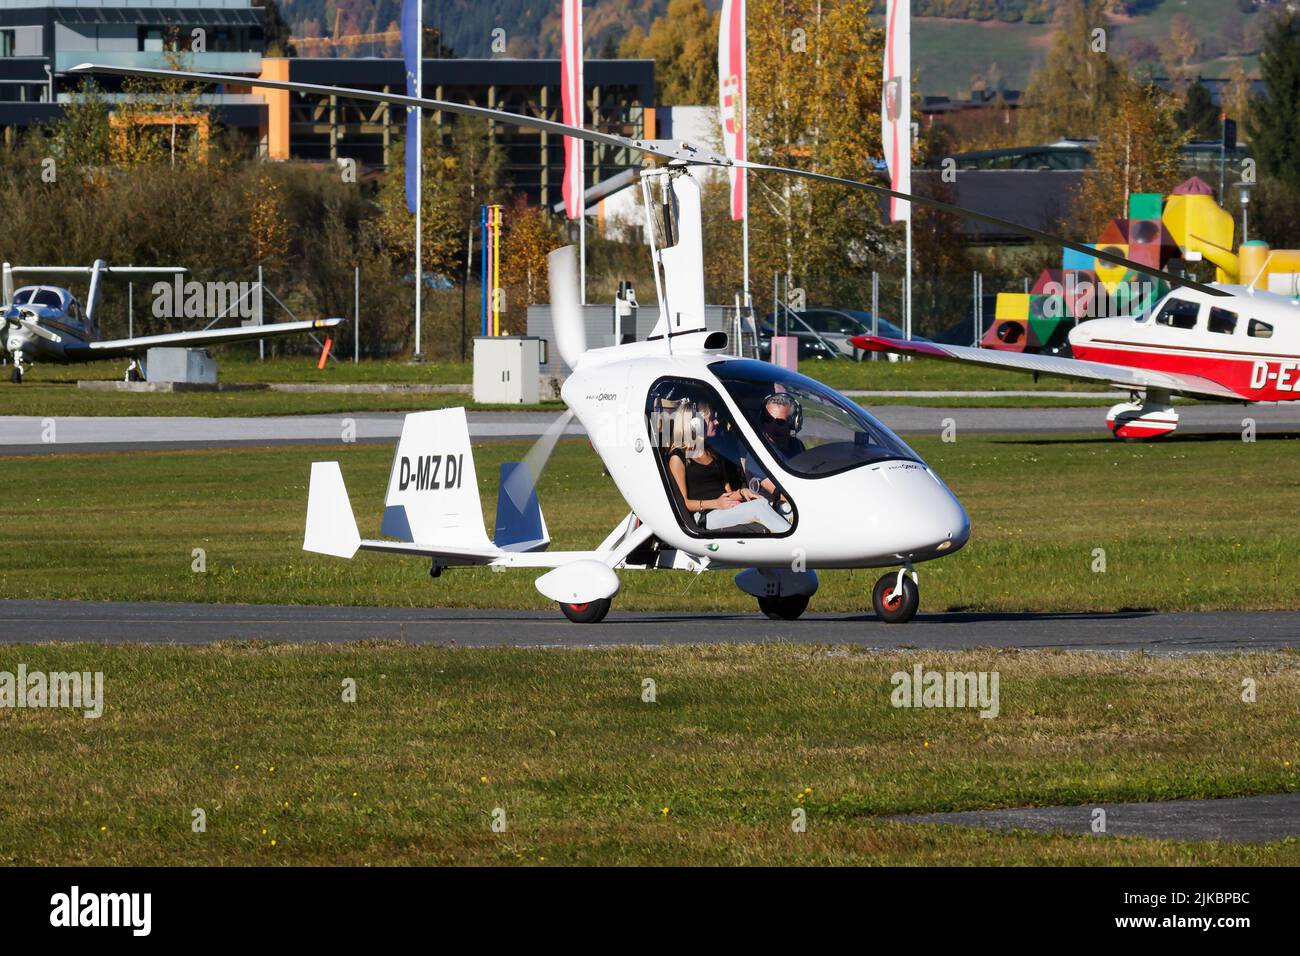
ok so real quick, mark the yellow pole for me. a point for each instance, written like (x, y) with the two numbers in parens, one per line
(496, 270)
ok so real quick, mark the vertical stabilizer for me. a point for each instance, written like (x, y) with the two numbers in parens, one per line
(433, 494)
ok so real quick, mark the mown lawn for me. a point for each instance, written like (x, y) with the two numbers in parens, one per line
(564, 748)
(1198, 523)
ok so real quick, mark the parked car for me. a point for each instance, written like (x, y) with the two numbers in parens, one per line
(825, 333)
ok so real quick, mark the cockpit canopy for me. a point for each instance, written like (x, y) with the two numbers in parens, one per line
(39, 296)
(810, 430)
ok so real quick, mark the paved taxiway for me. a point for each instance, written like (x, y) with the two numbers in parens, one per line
(164, 623)
(1262, 819)
(26, 434)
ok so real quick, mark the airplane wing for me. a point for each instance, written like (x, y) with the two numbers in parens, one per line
(1037, 364)
(139, 344)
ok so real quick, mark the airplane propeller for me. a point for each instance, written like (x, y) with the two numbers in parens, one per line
(682, 152)
(31, 326)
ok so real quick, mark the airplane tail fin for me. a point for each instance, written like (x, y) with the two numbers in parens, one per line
(7, 284)
(433, 496)
(331, 526)
(520, 525)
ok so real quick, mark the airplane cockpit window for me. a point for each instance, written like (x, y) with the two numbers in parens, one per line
(1179, 313)
(45, 297)
(810, 430)
(1259, 330)
(1222, 321)
(717, 485)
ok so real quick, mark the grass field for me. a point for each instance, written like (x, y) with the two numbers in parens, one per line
(439, 739)
(1196, 523)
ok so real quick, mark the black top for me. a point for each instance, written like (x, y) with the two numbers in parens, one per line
(704, 482)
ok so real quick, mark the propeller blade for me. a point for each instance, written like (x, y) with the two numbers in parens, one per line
(683, 152)
(35, 329)
(522, 483)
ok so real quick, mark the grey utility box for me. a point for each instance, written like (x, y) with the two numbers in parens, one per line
(191, 366)
(506, 369)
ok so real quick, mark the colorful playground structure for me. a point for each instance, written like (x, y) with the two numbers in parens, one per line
(1167, 232)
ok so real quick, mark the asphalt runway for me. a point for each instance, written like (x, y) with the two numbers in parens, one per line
(1262, 819)
(165, 623)
(23, 435)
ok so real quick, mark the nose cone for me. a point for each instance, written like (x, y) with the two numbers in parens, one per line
(925, 519)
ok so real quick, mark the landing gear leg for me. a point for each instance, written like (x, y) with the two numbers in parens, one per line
(16, 376)
(135, 371)
(896, 596)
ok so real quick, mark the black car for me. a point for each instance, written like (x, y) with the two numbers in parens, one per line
(825, 333)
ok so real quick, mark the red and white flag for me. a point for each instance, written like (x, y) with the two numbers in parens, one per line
(896, 105)
(571, 92)
(731, 96)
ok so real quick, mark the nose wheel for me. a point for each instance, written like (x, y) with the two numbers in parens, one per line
(787, 607)
(589, 612)
(896, 597)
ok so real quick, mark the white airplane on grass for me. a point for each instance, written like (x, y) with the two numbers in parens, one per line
(724, 463)
(47, 323)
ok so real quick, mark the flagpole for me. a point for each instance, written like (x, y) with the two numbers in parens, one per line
(582, 168)
(419, 173)
(744, 136)
(907, 265)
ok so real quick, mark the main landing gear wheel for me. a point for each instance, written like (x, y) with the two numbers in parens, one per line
(900, 608)
(788, 607)
(592, 612)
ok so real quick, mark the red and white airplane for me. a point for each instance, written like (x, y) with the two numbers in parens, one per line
(1240, 347)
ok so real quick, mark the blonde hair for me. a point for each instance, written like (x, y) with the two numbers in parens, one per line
(679, 417)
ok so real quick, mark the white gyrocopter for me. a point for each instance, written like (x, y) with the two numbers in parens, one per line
(725, 463)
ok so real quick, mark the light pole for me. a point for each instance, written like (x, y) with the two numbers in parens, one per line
(1244, 189)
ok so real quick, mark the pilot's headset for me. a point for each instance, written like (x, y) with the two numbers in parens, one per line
(785, 400)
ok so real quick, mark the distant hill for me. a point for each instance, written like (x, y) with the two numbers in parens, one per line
(988, 42)
(532, 27)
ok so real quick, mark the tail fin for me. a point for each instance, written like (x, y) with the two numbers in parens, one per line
(6, 284)
(331, 527)
(520, 525)
(433, 490)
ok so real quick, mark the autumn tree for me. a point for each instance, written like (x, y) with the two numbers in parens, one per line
(149, 121)
(1180, 48)
(82, 137)
(684, 45)
(530, 233)
(1072, 92)
(460, 172)
(814, 104)
(1138, 152)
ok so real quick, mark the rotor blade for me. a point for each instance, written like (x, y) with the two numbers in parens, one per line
(521, 484)
(682, 152)
(1173, 280)
(686, 153)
